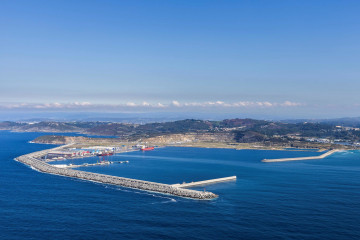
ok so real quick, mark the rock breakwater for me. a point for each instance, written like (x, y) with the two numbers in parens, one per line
(33, 160)
(302, 158)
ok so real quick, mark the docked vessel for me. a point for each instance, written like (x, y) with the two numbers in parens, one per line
(143, 148)
(105, 154)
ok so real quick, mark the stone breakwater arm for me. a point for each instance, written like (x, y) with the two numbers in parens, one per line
(40, 165)
(206, 182)
(301, 158)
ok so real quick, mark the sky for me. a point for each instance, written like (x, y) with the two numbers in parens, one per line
(280, 59)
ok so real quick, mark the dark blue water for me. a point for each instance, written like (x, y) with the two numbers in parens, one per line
(318, 199)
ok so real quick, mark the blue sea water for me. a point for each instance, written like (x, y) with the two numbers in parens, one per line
(317, 199)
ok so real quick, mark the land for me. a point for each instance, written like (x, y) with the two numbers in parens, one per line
(229, 133)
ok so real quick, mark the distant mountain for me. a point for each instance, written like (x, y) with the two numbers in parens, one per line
(239, 130)
(132, 130)
(139, 118)
(348, 122)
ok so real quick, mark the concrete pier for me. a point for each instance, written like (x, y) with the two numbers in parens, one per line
(302, 158)
(87, 164)
(206, 182)
(33, 160)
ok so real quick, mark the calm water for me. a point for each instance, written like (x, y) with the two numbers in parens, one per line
(317, 199)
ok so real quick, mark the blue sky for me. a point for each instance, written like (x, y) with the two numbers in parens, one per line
(286, 58)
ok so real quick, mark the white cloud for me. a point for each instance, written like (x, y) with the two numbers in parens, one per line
(176, 103)
(146, 105)
(160, 105)
(131, 104)
(290, 104)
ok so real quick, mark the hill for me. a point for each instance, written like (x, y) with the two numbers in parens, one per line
(230, 130)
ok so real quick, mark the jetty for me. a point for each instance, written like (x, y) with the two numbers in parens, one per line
(302, 158)
(87, 164)
(34, 160)
(206, 182)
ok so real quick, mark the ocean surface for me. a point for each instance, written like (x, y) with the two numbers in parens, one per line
(317, 199)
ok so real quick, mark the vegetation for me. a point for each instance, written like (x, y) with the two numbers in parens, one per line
(240, 130)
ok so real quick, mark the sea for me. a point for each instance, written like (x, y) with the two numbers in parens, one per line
(314, 199)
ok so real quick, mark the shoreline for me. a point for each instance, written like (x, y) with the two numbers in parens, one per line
(261, 148)
(32, 160)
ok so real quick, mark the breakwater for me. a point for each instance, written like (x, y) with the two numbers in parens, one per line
(206, 182)
(33, 160)
(302, 158)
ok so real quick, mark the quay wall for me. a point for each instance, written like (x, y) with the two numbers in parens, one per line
(31, 160)
(217, 180)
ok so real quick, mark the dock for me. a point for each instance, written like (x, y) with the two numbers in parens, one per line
(206, 182)
(34, 161)
(87, 164)
(302, 158)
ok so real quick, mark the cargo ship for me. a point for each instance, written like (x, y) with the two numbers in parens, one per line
(143, 148)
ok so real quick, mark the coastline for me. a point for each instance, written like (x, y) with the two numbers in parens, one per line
(239, 147)
(32, 160)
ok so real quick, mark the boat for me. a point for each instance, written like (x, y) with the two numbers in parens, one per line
(105, 154)
(143, 148)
